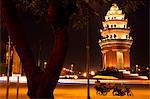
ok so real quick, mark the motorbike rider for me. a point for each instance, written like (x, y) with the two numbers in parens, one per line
(127, 89)
(117, 89)
(97, 83)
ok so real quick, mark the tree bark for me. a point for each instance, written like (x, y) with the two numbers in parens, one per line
(55, 63)
(55, 60)
(16, 31)
(40, 84)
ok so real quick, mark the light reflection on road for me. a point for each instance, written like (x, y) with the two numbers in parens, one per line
(76, 91)
(22, 79)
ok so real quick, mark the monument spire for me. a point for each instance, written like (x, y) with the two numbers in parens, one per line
(115, 42)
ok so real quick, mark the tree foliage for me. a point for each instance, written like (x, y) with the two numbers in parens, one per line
(39, 8)
(57, 12)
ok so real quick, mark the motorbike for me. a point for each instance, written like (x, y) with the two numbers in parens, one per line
(121, 92)
(102, 90)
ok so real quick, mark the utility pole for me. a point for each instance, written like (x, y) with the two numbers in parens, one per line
(8, 68)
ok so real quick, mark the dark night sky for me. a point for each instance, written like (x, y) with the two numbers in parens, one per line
(138, 21)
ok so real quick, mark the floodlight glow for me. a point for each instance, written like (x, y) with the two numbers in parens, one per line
(84, 74)
(126, 72)
(92, 73)
(143, 77)
(134, 74)
(75, 77)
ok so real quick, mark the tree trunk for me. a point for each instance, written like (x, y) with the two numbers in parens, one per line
(16, 31)
(55, 63)
(40, 84)
(55, 60)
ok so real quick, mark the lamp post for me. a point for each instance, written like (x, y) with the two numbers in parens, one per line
(136, 68)
(87, 55)
(8, 68)
(45, 63)
(72, 68)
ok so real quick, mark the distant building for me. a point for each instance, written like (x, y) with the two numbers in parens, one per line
(115, 42)
(15, 63)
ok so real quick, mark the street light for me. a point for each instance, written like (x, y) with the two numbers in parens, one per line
(147, 68)
(92, 73)
(139, 69)
(72, 68)
(64, 68)
(88, 54)
(45, 63)
(84, 74)
(8, 68)
(136, 69)
(75, 77)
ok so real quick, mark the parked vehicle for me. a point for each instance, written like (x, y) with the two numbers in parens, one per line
(121, 92)
(103, 89)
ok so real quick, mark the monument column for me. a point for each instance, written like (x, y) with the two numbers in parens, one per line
(115, 39)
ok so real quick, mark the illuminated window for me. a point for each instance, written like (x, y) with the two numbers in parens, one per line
(110, 36)
(111, 26)
(107, 36)
(124, 26)
(114, 35)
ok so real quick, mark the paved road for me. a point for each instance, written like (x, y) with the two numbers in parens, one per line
(22, 79)
(76, 91)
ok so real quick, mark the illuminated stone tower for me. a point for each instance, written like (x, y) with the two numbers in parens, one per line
(115, 42)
